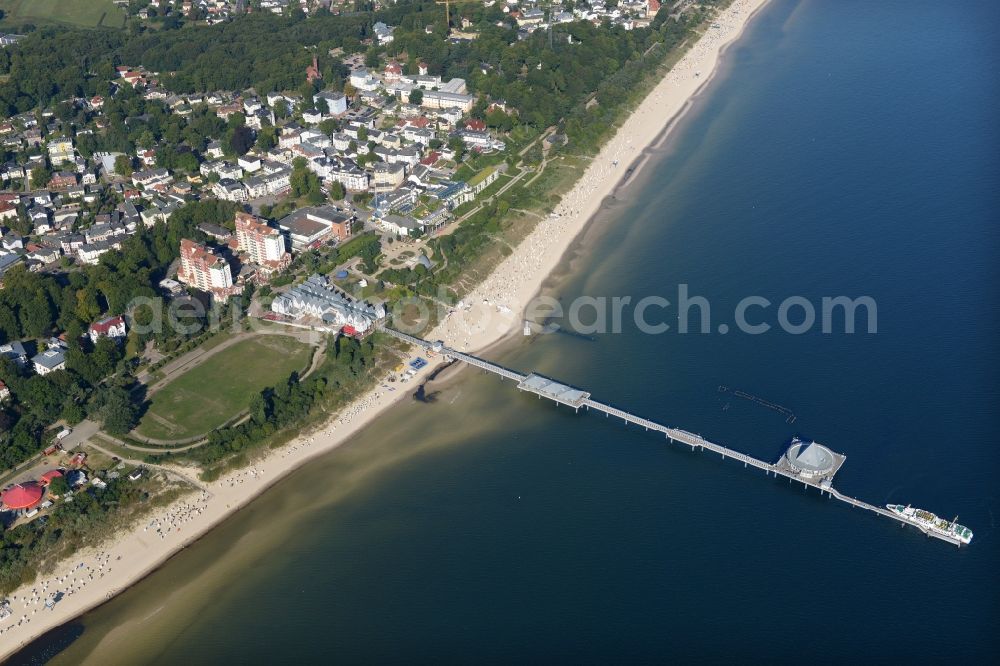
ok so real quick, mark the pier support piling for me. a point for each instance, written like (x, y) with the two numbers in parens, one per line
(691, 439)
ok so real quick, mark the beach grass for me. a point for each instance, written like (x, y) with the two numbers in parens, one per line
(212, 393)
(82, 13)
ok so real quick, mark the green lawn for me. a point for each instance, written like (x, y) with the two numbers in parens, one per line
(83, 13)
(481, 176)
(215, 391)
(492, 188)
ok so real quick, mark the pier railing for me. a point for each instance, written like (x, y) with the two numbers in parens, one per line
(673, 434)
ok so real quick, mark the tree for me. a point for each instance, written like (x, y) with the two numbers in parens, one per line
(337, 191)
(457, 146)
(146, 139)
(280, 108)
(314, 196)
(59, 486)
(329, 126)
(40, 176)
(307, 90)
(239, 140)
(304, 182)
(499, 120)
(114, 408)
(186, 162)
(123, 166)
(416, 96)
(37, 315)
(266, 139)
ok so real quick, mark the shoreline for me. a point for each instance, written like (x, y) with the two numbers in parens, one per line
(494, 315)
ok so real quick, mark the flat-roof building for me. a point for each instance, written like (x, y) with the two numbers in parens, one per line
(309, 226)
(553, 390)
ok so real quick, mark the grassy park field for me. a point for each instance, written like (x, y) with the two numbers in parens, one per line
(212, 393)
(83, 13)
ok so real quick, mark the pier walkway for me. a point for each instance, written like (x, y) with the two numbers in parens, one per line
(576, 398)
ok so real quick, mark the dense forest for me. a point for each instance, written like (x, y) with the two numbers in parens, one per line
(543, 77)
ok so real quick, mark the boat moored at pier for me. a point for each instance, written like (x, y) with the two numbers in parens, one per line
(929, 522)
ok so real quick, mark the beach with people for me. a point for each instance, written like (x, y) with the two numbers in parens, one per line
(491, 311)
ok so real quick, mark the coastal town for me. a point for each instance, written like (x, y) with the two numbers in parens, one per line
(374, 176)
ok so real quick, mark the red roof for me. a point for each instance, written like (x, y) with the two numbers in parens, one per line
(22, 496)
(475, 125)
(50, 475)
(103, 327)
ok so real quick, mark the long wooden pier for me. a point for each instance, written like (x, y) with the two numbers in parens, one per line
(576, 398)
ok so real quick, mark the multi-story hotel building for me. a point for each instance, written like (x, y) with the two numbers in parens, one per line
(262, 244)
(203, 269)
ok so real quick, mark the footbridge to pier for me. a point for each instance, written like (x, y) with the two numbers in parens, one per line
(576, 398)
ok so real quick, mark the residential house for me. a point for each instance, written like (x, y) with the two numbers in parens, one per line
(347, 173)
(14, 351)
(383, 32)
(8, 211)
(386, 177)
(335, 103)
(62, 180)
(90, 253)
(60, 151)
(50, 360)
(249, 163)
(228, 189)
(439, 99)
(362, 79)
(150, 177)
(112, 327)
(214, 150)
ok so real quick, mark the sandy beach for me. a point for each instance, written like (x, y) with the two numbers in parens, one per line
(493, 310)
